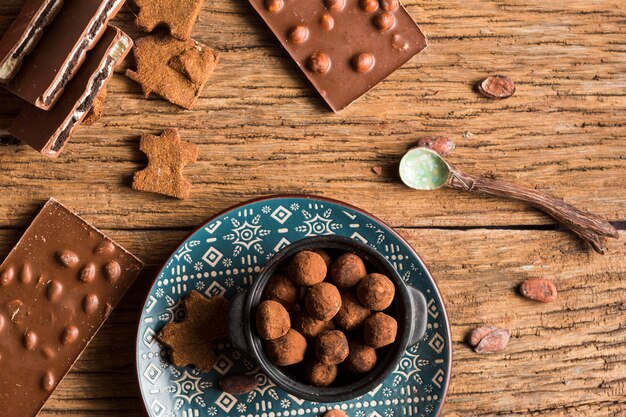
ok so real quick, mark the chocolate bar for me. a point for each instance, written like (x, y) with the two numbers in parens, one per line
(57, 286)
(24, 33)
(49, 131)
(62, 50)
(343, 47)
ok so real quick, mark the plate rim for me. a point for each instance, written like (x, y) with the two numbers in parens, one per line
(305, 197)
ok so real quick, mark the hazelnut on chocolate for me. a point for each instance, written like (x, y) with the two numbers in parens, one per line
(363, 62)
(321, 375)
(380, 330)
(335, 5)
(298, 34)
(307, 268)
(361, 359)
(274, 5)
(310, 327)
(283, 290)
(376, 292)
(287, 350)
(385, 21)
(352, 314)
(347, 271)
(322, 301)
(332, 347)
(272, 320)
(327, 22)
(369, 6)
(319, 62)
(389, 5)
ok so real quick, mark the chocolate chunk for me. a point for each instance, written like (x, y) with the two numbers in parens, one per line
(55, 60)
(331, 54)
(46, 323)
(24, 34)
(49, 131)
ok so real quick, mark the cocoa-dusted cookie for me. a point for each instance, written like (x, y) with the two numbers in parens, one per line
(173, 69)
(192, 341)
(178, 15)
(167, 155)
(94, 115)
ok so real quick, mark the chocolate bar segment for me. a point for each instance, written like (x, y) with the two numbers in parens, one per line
(61, 52)
(57, 286)
(344, 47)
(49, 131)
(24, 33)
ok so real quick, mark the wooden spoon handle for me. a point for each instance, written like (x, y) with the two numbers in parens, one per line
(587, 226)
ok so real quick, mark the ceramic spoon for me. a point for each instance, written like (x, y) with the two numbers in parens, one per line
(425, 169)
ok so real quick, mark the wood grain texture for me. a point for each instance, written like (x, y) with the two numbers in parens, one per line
(262, 130)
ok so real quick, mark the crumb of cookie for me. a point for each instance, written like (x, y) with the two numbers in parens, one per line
(332, 347)
(361, 359)
(307, 268)
(173, 69)
(283, 290)
(352, 314)
(178, 15)
(347, 271)
(192, 341)
(320, 375)
(322, 301)
(380, 330)
(272, 320)
(376, 292)
(167, 155)
(287, 350)
(95, 113)
(310, 327)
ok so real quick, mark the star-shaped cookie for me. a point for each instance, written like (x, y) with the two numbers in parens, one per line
(178, 15)
(192, 341)
(167, 154)
(175, 70)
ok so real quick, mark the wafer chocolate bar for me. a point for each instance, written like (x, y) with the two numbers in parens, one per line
(49, 131)
(63, 48)
(344, 47)
(24, 33)
(57, 286)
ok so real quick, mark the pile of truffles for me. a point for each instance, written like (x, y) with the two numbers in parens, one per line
(326, 316)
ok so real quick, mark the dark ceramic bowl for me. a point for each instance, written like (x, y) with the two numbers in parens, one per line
(409, 309)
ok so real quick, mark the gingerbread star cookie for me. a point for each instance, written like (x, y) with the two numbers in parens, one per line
(95, 113)
(178, 15)
(175, 70)
(168, 154)
(192, 341)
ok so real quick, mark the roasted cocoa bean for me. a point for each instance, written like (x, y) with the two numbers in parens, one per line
(442, 145)
(497, 87)
(489, 339)
(538, 289)
(239, 384)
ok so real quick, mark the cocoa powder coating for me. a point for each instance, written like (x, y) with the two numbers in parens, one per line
(287, 350)
(310, 327)
(352, 314)
(380, 330)
(361, 359)
(321, 375)
(376, 292)
(307, 268)
(282, 290)
(332, 347)
(272, 320)
(347, 271)
(323, 301)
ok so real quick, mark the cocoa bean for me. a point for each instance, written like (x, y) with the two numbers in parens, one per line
(442, 145)
(538, 289)
(239, 384)
(497, 87)
(489, 339)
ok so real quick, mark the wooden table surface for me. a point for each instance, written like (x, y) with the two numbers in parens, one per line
(262, 130)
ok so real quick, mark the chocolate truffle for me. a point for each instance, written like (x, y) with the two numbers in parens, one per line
(352, 314)
(283, 290)
(322, 301)
(326, 257)
(361, 359)
(332, 347)
(307, 269)
(321, 375)
(376, 292)
(335, 413)
(310, 327)
(287, 350)
(347, 271)
(272, 320)
(380, 330)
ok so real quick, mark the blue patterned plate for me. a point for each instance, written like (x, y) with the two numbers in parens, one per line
(223, 257)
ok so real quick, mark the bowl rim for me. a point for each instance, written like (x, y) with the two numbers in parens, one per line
(314, 197)
(362, 385)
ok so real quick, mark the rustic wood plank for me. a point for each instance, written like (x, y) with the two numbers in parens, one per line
(262, 130)
(564, 358)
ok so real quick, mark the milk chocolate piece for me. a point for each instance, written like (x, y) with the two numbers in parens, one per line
(48, 312)
(49, 131)
(24, 33)
(61, 52)
(344, 48)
